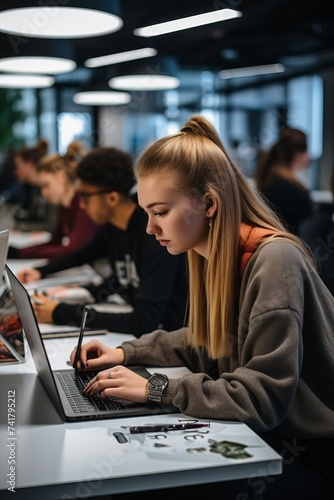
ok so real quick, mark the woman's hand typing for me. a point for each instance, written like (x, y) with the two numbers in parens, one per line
(118, 382)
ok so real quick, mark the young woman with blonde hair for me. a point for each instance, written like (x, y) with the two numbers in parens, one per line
(259, 340)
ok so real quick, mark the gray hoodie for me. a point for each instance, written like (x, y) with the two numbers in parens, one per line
(281, 374)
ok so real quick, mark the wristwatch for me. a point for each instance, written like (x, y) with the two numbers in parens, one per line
(157, 383)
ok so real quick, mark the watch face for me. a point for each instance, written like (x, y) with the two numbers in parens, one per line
(157, 380)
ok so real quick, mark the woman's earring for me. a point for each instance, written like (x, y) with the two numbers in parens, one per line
(210, 222)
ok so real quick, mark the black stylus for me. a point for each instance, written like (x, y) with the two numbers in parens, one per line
(81, 334)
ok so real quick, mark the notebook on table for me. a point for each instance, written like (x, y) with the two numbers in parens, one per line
(64, 387)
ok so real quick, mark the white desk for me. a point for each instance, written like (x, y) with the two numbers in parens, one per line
(56, 460)
(81, 275)
(23, 239)
(17, 264)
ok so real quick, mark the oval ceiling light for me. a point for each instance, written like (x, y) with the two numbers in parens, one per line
(144, 82)
(59, 22)
(45, 65)
(157, 73)
(25, 81)
(101, 98)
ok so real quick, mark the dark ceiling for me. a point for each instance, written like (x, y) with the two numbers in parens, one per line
(297, 33)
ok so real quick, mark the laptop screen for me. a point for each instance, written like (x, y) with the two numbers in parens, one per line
(7, 215)
(11, 331)
(4, 238)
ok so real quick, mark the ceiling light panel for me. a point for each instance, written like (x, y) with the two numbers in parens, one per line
(144, 82)
(159, 73)
(130, 55)
(25, 81)
(101, 98)
(265, 69)
(46, 65)
(187, 22)
(58, 22)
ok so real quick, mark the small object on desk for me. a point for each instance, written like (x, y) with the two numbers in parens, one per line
(58, 334)
(34, 300)
(120, 437)
(137, 429)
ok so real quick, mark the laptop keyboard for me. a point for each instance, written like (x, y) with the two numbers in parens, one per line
(73, 384)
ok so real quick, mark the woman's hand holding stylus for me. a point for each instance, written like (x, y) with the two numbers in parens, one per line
(95, 355)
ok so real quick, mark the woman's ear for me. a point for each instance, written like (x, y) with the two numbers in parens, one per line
(210, 204)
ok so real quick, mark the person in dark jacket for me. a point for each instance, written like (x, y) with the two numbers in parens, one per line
(143, 274)
(318, 233)
(277, 178)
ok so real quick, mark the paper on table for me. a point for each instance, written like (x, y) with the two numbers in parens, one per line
(75, 276)
(23, 239)
(51, 331)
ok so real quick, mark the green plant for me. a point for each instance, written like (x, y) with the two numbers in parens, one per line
(10, 114)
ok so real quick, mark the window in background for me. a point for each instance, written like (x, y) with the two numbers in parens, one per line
(252, 118)
(48, 116)
(26, 130)
(305, 111)
(73, 126)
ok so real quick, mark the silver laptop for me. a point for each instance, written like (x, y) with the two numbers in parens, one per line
(64, 387)
(11, 332)
(7, 215)
(4, 237)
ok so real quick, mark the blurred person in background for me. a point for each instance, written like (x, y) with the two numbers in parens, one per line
(26, 159)
(277, 178)
(34, 212)
(56, 177)
(318, 233)
(143, 278)
(9, 184)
